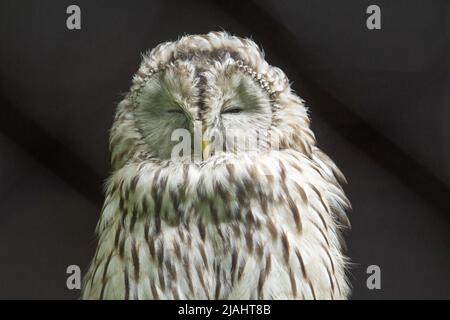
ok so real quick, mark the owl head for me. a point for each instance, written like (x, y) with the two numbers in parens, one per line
(211, 94)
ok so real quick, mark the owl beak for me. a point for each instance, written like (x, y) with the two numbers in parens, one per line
(205, 149)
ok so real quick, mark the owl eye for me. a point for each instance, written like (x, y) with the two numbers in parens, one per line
(178, 110)
(232, 110)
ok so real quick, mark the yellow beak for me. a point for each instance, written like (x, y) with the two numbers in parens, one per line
(205, 149)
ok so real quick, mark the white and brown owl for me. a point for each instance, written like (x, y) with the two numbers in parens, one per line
(252, 222)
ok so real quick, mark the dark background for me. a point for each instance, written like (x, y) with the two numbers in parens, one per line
(379, 102)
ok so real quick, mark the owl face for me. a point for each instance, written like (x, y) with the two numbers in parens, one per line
(206, 96)
(206, 105)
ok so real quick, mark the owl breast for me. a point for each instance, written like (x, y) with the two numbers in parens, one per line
(244, 229)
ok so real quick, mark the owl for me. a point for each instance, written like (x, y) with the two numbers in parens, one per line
(218, 188)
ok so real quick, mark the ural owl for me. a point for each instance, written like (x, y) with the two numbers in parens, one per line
(252, 222)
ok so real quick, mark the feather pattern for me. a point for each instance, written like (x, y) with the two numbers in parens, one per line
(244, 225)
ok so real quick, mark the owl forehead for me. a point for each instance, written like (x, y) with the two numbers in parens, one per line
(205, 75)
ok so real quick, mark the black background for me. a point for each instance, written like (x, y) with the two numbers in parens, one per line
(379, 102)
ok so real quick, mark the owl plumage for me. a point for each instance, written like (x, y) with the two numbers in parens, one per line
(240, 224)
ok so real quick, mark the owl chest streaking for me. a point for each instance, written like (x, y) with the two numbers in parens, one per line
(218, 190)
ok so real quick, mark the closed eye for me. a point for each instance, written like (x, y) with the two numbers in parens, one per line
(232, 110)
(178, 110)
